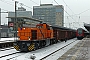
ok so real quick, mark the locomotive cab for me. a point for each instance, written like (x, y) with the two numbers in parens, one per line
(80, 33)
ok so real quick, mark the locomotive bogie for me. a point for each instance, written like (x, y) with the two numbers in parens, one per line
(32, 45)
(79, 37)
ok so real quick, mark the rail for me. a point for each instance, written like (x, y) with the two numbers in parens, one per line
(56, 51)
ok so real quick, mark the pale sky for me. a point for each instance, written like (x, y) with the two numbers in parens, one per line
(76, 12)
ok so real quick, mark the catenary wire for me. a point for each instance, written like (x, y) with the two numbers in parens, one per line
(68, 6)
(34, 2)
(7, 2)
(65, 11)
(70, 9)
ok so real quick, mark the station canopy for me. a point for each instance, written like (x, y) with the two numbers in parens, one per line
(27, 18)
(87, 26)
(24, 21)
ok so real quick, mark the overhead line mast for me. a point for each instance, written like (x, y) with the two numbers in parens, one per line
(15, 21)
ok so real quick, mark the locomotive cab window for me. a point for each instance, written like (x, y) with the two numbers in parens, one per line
(39, 26)
(48, 27)
(51, 28)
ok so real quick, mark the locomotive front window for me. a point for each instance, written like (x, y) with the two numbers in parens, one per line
(51, 28)
(47, 27)
(79, 31)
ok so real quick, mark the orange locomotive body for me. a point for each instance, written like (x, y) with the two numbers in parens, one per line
(40, 32)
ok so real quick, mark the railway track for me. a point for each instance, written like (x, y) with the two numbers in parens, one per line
(13, 57)
(7, 49)
(8, 54)
(56, 51)
(40, 54)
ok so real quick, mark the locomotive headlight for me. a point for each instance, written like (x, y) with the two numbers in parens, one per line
(24, 28)
(18, 38)
(29, 38)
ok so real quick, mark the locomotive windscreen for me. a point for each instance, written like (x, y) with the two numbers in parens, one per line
(79, 31)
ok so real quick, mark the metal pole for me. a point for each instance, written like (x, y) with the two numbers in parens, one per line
(0, 23)
(15, 21)
(0, 31)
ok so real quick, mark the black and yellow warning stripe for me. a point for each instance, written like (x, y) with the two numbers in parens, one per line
(16, 47)
(31, 47)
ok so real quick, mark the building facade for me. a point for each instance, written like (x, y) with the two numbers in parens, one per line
(5, 31)
(51, 14)
(21, 12)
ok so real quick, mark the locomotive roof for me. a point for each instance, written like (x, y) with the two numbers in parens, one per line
(81, 28)
(86, 31)
(60, 27)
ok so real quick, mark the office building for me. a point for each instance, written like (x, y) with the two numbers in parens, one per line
(49, 13)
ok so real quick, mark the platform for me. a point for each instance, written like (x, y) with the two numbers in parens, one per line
(81, 51)
(6, 42)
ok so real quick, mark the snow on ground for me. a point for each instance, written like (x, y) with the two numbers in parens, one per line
(40, 53)
(6, 48)
(2, 53)
(11, 56)
(3, 40)
(61, 52)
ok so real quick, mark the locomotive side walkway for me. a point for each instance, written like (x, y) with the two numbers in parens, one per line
(81, 51)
